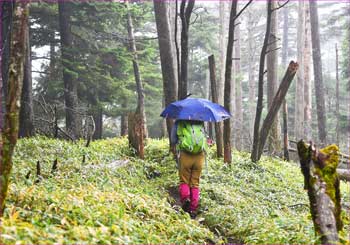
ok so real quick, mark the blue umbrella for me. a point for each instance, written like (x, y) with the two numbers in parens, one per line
(195, 109)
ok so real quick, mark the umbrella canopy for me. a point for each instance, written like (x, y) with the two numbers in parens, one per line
(195, 109)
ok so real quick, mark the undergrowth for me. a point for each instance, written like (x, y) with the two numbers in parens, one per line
(97, 202)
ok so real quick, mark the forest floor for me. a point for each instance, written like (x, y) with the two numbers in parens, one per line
(117, 198)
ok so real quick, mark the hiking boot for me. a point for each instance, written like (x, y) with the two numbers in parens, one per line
(186, 205)
(193, 214)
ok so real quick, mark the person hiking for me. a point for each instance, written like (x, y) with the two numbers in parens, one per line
(190, 140)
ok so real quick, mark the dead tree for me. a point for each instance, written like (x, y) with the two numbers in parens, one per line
(214, 92)
(322, 184)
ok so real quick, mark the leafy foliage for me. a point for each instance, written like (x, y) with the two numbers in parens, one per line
(116, 198)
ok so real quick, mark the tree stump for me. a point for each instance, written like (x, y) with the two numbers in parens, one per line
(322, 184)
(136, 133)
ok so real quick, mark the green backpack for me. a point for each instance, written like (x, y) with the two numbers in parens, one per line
(191, 136)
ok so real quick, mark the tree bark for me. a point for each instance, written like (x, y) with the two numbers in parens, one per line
(319, 87)
(227, 91)
(214, 91)
(259, 107)
(276, 104)
(344, 174)
(307, 80)
(26, 115)
(322, 183)
(73, 122)
(238, 93)
(299, 85)
(135, 133)
(274, 143)
(16, 71)
(185, 15)
(348, 141)
(166, 56)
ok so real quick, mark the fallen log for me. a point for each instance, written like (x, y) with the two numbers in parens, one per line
(322, 184)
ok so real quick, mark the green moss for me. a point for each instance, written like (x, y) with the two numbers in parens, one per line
(329, 175)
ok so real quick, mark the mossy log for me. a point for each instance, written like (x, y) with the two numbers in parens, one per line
(322, 183)
(136, 134)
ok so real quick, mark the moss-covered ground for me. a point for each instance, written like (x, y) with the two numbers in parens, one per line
(133, 201)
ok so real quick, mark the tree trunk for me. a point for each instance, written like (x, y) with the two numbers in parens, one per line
(238, 95)
(124, 119)
(285, 131)
(166, 56)
(26, 117)
(136, 134)
(285, 36)
(322, 183)
(73, 121)
(276, 104)
(140, 115)
(17, 60)
(307, 80)
(214, 91)
(98, 119)
(185, 15)
(299, 85)
(274, 144)
(222, 45)
(6, 29)
(227, 91)
(337, 113)
(348, 141)
(319, 87)
(251, 74)
(259, 107)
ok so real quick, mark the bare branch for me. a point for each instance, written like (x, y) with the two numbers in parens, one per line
(240, 12)
(280, 6)
(269, 51)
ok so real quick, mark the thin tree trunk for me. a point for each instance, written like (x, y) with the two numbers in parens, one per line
(307, 80)
(238, 95)
(166, 56)
(299, 86)
(319, 87)
(285, 131)
(222, 45)
(218, 126)
(70, 83)
(322, 183)
(348, 141)
(227, 91)
(124, 119)
(251, 74)
(17, 60)
(185, 15)
(285, 36)
(137, 122)
(274, 144)
(259, 107)
(276, 104)
(26, 116)
(284, 63)
(337, 113)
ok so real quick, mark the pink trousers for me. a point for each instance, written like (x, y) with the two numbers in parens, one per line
(189, 193)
